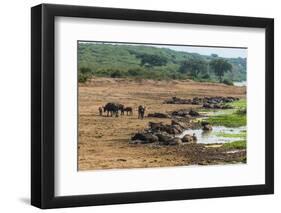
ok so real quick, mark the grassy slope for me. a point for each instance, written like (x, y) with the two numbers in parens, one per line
(103, 59)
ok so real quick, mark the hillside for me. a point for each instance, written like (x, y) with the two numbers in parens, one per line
(112, 60)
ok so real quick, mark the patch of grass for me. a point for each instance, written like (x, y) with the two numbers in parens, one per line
(232, 135)
(241, 111)
(229, 120)
(242, 103)
(238, 106)
(205, 110)
(235, 145)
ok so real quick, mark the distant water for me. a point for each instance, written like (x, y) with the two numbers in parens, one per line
(240, 84)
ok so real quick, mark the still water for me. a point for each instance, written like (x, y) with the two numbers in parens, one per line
(240, 84)
(209, 137)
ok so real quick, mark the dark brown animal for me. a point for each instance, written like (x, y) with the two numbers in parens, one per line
(112, 109)
(121, 108)
(128, 110)
(100, 111)
(141, 111)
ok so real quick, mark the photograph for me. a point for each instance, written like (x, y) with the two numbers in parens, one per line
(138, 105)
(153, 105)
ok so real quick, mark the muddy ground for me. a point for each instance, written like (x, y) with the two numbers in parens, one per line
(104, 141)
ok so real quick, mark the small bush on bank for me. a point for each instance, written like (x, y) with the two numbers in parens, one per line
(227, 82)
(83, 74)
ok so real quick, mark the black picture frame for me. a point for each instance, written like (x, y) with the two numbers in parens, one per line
(43, 117)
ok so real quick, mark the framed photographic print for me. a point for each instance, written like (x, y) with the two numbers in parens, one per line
(139, 106)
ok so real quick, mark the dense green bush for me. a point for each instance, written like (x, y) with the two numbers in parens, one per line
(135, 72)
(116, 74)
(227, 82)
(84, 74)
(206, 76)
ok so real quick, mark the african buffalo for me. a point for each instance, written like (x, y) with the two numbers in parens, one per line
(141, 111)
(111, 108)
(121, 108)
(129, 110)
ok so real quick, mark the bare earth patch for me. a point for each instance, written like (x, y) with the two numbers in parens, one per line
(104, 141)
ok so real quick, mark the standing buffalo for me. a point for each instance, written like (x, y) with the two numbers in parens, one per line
(121, 108)
(141, 111)
(129, 110)
(113, 109)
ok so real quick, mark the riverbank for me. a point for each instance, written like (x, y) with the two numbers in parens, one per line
(104, 141)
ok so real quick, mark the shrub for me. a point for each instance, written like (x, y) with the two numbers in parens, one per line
(206, 76)
(82, 78)
(135, 72)
(227, 82)
(83, 74)
(116, 74)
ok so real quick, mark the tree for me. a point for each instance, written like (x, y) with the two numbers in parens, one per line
(152, 60)
(214, 55)
(193, 67)
(220, 66)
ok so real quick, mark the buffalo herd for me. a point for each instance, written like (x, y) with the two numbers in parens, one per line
(113, 109)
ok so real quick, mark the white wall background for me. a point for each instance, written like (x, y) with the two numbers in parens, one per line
(15, 105)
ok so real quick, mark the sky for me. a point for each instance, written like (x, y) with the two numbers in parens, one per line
(226, 52)
(220, 51)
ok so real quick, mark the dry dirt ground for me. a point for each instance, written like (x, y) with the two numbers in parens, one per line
(104, 141)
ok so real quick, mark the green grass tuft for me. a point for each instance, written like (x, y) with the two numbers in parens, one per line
(242, 103)
(235, 145)
(232, 135)
(231, 120)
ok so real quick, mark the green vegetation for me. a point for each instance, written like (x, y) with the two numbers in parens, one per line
(235, 145)
(227, 82)
(242, 103)
(194, 67)
(148, 62)
(229, 120)
(232, 135)
(84, 74)
(220, 66)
